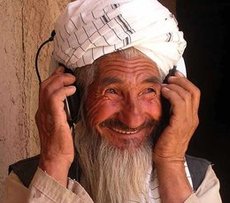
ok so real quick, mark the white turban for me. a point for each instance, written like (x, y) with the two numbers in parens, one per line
(88, 29)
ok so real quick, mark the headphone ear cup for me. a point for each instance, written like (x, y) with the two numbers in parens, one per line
(74, 106)
(74, 102)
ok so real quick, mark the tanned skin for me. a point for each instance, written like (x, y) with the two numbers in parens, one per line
(128, 90)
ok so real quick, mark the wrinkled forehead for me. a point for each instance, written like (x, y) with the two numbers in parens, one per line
(126, 64)
(131, 56)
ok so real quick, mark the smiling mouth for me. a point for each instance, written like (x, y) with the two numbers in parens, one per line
(120, 128)
(124, 132)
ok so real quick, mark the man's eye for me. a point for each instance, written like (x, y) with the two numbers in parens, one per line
(149, 90)
(111, 91)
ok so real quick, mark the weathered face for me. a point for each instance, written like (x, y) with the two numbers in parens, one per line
(124, 100)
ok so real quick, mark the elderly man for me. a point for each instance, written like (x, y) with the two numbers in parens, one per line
(123, 150)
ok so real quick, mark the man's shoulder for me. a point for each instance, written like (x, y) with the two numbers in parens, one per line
(197, 167)
(194, 160)
(25, 169)
(24, 163)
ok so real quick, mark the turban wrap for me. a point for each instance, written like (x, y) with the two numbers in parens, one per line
(88, 29)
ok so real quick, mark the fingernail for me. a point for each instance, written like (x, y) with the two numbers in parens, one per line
(164, 88)
(73, 88)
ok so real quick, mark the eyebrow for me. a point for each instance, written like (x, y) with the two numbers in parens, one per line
(110, 80)
(152, 79)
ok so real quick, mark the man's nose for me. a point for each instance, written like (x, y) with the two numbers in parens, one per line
(131, 113)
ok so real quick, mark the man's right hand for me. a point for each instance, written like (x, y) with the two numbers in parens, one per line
(57, 149)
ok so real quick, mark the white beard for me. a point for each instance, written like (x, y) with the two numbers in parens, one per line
(112, 175)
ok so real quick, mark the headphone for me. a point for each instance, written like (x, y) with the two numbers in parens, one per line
(72, 103)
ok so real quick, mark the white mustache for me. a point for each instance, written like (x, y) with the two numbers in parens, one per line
(119, 126)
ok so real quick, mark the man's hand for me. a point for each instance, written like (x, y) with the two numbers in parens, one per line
(184, 98)
(57, 150)
(169, 151)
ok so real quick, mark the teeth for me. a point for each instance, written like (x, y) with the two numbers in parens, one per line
(124, 132)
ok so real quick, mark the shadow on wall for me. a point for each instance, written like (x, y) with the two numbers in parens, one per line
(205, 28)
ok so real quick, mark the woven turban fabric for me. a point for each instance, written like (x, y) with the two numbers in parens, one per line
(88, 29)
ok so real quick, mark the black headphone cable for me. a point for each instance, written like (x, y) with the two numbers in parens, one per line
(38, 51)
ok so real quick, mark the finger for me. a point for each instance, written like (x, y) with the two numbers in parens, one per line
(184, 94)
(57, 98)
(54, 106)
(56, 72)
(56, 82)
(188, 86)
(177, 91)
(67, 78)
(177, 102)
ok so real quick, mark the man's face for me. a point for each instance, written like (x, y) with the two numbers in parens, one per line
(123, 103)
